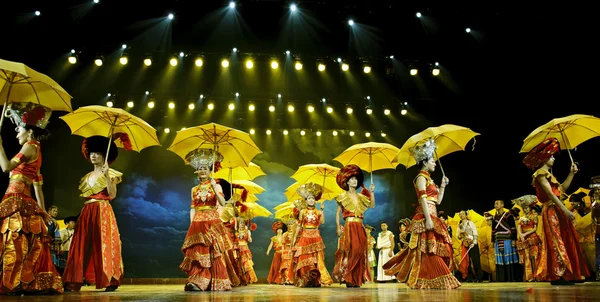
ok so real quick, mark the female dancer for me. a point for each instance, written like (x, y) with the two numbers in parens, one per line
(529, 242)
(277, 244)
(95, 253)
(352, 256)
(206, 243)
(424, 264)
(309, 253)
(26, 264)
(244, 236)
(561, 259)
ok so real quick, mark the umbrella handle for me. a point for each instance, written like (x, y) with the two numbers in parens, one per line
(110, 133)
(6, 103)
(568, 146)
(439, 162)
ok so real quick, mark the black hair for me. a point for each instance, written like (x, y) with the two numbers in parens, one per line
(284, 228)
(421, 164)
(383, 222)
(39, 133)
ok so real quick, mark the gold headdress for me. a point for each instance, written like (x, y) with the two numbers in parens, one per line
(424, 151)
(32, 114)
(203, 157)
(310, 189)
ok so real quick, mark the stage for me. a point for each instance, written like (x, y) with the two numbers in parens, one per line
(488, 292)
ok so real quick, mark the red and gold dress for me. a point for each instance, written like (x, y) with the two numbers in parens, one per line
(95, 252)
(206, 243)
(529, 248)
(286, 269)
(26, 264)
(424, 264)
(274, 274)
(352, 256)
(249, 275)
(309, 253)
(560, 253)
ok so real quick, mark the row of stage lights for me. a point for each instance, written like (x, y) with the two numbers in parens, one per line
(302, 132)
(252, 107)
(298, 65)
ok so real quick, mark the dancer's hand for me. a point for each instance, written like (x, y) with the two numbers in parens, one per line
(322, 206)
(46, 217)
(339, 231)
(213, 182)
(268, 253)
(429, 224)
(105, 169)
(574, 168)
(372, 187)
(445, 181)
(390, 253)
(570, 215)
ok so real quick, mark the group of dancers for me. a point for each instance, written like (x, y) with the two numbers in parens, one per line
(216, 255)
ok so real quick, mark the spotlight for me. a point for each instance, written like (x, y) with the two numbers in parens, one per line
(298, 65)
(345, 66)
(437, 64)
(167, 130)
(150, 104)
(130, 104)
(96, 1)
(225, 63)
(231, 106)
(171, 16)
(293, 7)
(72, 50)
(72, 59)
(386, 112)
(383, 134)
(318, 133)
(413, 71)
(468, 30)
(369, 111)
(435, 71)
(201, 96)
(252, 131)
(274, 64)
(321, 67)
(123, 60)
(403, 111)
(251, 107)
(210, 106)
(268, 131)
(302, 132)
(235, 49)
(199, 62)
(335, 133)
(109, 104)
(351, 133)
(310, 108)
(350, 22)
(329, 109)
(339, 60)
(183, 128)
(98, 61)
(109, 94)
(147, 92)
(368, 97)
(419, 15)
(291, 108)
(237, 94)
(279, 95)
(37, 13)
(272, 108)
(171, 105)
(249, 64)
(367, 134)
(287, 52)
(191, 106)
(173, 62)
(148, 61)
(124, 46)
(181, 54)
(231, 4)
(349, 110)
(367, 69)
(323, 100)
(285, 132)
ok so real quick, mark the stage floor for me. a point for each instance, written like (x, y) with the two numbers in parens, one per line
(488, 292)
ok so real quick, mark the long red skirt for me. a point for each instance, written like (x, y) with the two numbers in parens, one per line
(26, 264)
(310, 260)
(274, 274)
(560, 254)
(351, 258)
(95, 252)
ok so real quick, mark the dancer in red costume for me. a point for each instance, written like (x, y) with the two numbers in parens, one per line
(352, 256)
(25, 263)
(424, 264)
(561, 259)
(277, 245)
(309, 256)
(95, 253)
(206, 244)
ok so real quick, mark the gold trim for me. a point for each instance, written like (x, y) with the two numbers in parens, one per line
(310, 227)
(94, 200)
(353, 219)
(204, 208)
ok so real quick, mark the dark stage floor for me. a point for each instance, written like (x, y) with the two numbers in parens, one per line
(487, 292)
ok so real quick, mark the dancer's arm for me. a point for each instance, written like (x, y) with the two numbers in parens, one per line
(111, 187)
(372, 189)
(567, 183)
(543, 181)
(269, 248)
(218, 191)
(442, 190)
(338, 228)
(8, 165)
(421, 185)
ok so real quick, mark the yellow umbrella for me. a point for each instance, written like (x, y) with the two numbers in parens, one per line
(236, 146)
(587, 199)
(448, 138)
(254, 210)
(20, 83)
(321, 174)
(112, 122)
(373, 156)
(251, 187)
(328, 194)
(249, 197)
(570, 131)
(250, 172)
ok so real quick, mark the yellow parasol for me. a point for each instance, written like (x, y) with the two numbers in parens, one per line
(328, 194)
(112, 122)
(251, 187)
(250, 172)
(321, 174)
(236, 146)
(373, 156)
(448, 138)
(587, 199)
(20, 83)
(570, 131)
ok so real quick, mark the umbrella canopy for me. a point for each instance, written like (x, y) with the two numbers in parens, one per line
(370, 156)
(251, 187)
(250, 172)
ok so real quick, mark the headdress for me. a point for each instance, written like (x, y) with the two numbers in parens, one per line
(70, 218)
(369, 228)
(541, 153)
(278, 225)
(204, 157)
(99, 144)
(348, 172)
(310, 189)
(31, 114)
(525, 200)
(424, 151)
(405, 222)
